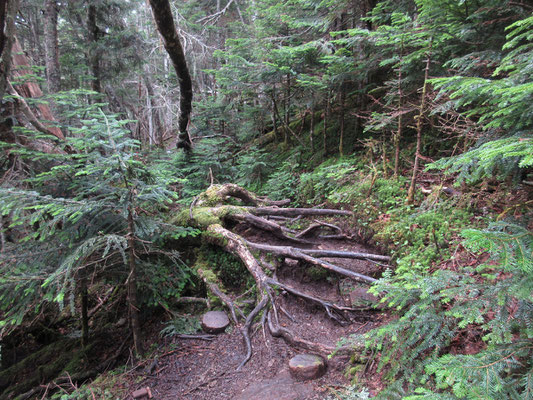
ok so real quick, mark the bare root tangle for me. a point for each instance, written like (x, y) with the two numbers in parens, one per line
(289, 337)
(294, 212)
(255, 214)
(335, 312)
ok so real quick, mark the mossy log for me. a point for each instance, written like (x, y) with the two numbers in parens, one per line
(211, 212)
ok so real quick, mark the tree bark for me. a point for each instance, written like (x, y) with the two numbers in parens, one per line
(167, 29)
(31, 89)
(341, 121)
(94, 60)
(84, 312)
(398, 135)
(9, 10)
(312, 129)
(53, 74)
(3, 10)
(325, 135)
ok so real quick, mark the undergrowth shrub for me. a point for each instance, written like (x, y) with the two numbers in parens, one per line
(490, 303)
(330, 176)
(283, 182)
(422, 236)
(230, 269)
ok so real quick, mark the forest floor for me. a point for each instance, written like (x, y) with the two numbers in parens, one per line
(198, 369)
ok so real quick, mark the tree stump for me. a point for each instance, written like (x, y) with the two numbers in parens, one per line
(215, 322)
(307, 366)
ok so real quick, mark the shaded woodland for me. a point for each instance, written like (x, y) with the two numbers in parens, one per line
(159, 157)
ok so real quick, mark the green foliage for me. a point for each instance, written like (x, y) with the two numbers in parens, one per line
(325, 180)
(210, 159)
(229, 268)
(73, 222)
(181, 325)
(253, 167)
(162, 279)
(434, 309)
(503, 106)
(282, 182)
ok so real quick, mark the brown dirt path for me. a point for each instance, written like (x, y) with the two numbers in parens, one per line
(205, 370)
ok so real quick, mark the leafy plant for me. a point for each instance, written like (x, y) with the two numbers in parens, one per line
(492, 299)
(81, 218)
(181, 325)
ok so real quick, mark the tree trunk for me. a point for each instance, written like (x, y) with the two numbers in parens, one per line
(133, 304)
(274, 113)
(411, 192)
(94, 59)
(167, 29)
(9, 9)
(341, 121)
(326, 116)
(398, 135)
(154, 114)
(53, 74)
(84, 312)
(3, 11)
(312, 128)
(287, 106)
(30, 89)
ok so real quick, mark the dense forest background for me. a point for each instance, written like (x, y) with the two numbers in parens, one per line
(417, 115)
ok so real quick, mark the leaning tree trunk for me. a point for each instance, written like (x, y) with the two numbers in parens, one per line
(3, 10)
(167, 29)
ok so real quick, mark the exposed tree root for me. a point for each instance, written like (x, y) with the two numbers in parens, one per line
(209, 212)
(310, 231)
(213, 288)
(302, 254)
(268, 226)
(334, 311)
(217, 194)
(295, 212)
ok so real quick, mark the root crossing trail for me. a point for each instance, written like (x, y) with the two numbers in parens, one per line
(311, 280)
